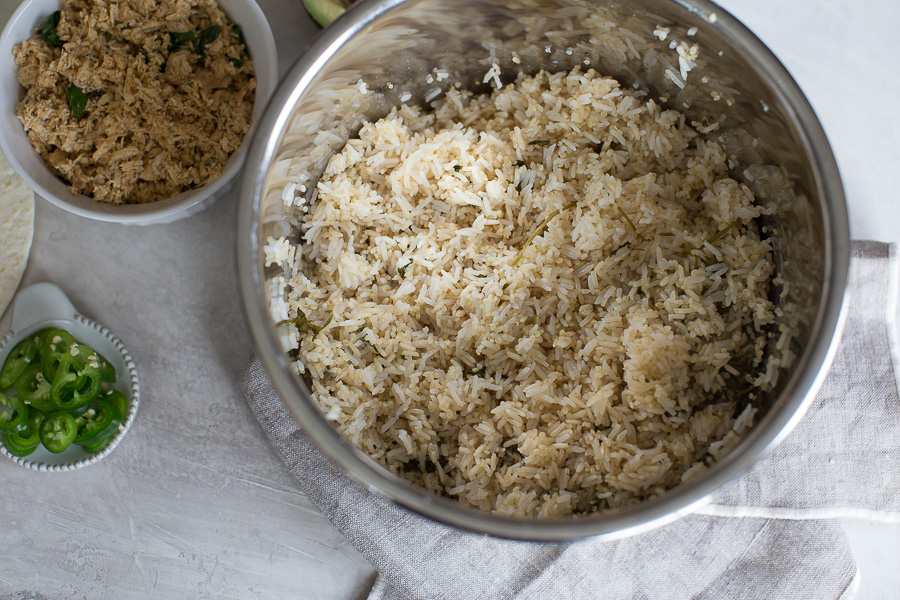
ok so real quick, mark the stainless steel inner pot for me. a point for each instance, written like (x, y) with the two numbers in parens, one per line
(382, 52)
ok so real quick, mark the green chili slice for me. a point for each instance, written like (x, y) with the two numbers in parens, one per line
(17, 361)
(539, 230)
(58, 431)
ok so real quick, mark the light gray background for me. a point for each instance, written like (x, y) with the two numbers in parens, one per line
(194, 503)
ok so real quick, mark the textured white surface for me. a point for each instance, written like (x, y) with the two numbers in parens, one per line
(193, 503)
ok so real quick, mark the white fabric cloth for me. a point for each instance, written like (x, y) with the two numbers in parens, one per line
(840, 461)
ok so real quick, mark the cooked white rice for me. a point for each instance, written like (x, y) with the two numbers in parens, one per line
(611, 359)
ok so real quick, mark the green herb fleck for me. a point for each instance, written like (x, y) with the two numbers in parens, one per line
(627, 218)
(207, 37)
(709, 261)
(607, 145)
(77, 100)
(302, 322)
(238, 35)
(327, 323)
(667, 234)
(178, 38)
(539, 143)
(519, 163)
(719, 235)
(614, 252)
(457, 168)
(238, 63)
(304, 326)
(94, 173)
(401, 271)
(539, 230)
(741, 393)
(362, 338)
(482, 373)
(47, 29)
(107, 36)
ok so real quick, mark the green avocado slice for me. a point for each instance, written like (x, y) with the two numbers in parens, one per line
(326, 11)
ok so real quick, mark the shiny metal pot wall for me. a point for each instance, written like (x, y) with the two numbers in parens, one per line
(383, 52)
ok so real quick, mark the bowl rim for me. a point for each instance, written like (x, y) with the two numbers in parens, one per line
(811, 366)
(265, 61)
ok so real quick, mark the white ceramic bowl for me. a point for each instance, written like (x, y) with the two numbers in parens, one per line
(31, 167)
(45, 305)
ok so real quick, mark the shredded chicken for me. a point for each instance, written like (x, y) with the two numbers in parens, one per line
(160, 117)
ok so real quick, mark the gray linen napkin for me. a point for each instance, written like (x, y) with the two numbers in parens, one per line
(817, 472)
(843, 457)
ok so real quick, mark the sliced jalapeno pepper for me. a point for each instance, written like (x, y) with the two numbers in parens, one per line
(52, 373)
(119, 403)
(15, 449)
(34, 389)
(17, 361)
(28, 434)
(57, 344)
(107, 370)
(13, 412)
(101, 441)
(94, 422)
(92, 358)
(75, 387)
(77, 359)
(40, 337)
(57, 431)
(58, 340)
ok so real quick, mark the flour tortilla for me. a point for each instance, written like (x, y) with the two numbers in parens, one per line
(16, 230)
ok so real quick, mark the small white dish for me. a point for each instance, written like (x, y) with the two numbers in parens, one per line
(31, 167)
(45, 305)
